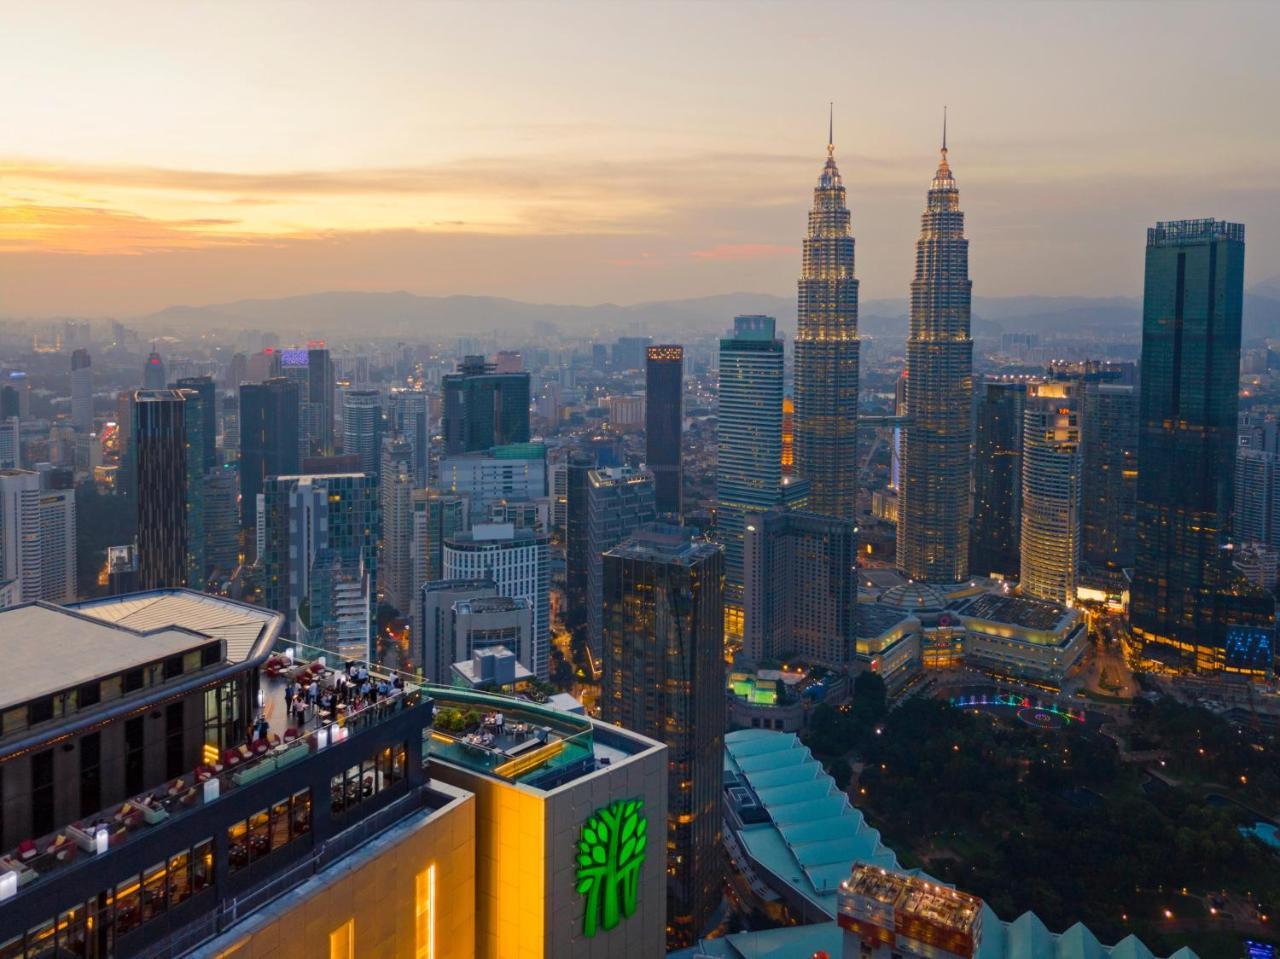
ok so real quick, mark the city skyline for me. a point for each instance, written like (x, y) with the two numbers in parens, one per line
(214, 180)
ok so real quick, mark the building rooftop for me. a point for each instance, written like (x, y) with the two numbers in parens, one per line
(47, 648)
(911, 896)
(1022, 611)
(914, 597)
(665, 543)
(876, 619)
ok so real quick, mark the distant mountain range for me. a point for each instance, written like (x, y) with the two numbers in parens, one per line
(395, 314)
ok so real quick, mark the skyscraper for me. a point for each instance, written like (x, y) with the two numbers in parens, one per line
(294, 365)
(436, 517)
(268, 439)
(484, 408)
(81, 390)
(933, 501)
(1256, 515)
(576, 555)
(518, 562)
(325, 524)
(160, 442)
(153, 377)
(619, 501)
(204, 388)
(749, 437)
(222, 520)
(320, 390)
(995, 546)
(664, 421)
(1051, 493)
(826, 352)
(362, 428)
(801, 591)
(396, 487)
(1184, 594)
(664, 677)
(410, 413)
(1109, 436)
(37, 537)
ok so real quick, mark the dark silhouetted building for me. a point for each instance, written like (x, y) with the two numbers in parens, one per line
(484, 408)
(996, 541)
(1109, 428)
(170, 489)
(268, 439)
(664, 419)
(204, 387)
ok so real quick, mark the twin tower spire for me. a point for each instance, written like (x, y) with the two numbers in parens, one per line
(933, 506)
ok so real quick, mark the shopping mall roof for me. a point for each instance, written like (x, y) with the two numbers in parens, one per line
(1022, 611)
(813, 833)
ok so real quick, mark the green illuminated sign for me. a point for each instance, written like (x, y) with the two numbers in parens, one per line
(610, 854)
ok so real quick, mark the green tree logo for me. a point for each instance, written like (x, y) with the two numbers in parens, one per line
(610, 854)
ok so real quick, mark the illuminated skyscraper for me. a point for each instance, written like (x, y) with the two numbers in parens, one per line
(933, 502)
(1051, 492)
(1185, 597)
(997, 480)
(826, 353)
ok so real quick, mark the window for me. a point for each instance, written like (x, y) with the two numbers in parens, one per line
(342, 941)
(133, 680)
(40, 710)
(128, 905)
(179, 878)
(202, 865)
(89, 694)
(153, 892)
(210, 655)
(172, 667)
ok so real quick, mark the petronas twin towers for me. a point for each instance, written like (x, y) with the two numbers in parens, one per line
(933, 504)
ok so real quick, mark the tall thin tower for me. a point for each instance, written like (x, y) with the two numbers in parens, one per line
(933, 503)
(826, 354)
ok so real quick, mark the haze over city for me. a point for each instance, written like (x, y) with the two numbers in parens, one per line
(578, 154)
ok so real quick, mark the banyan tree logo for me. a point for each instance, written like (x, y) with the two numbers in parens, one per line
(610, 854)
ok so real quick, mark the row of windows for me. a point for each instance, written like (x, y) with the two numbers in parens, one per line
(268, 830)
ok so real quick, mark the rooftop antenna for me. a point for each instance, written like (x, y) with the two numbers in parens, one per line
(831, 128)
(944, 128)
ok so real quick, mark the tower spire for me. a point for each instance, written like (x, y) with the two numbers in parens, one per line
(831, 128)
(944, 128)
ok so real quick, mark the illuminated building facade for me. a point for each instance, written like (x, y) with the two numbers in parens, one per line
(1051, 493)
(933, 499)
(1185, 595)
(664, 677)
(826, 352)
(664, 422)
(995, 546)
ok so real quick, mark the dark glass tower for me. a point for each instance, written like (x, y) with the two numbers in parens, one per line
(664, 419)
(664, 677)
(483, 408)
(826, 353)
(204, 388)
(933, 502)
(320, 391)
(160, 451)
(576, 555)
(996, 542)
(1109, 428)
(268, 439)
(1185, 596)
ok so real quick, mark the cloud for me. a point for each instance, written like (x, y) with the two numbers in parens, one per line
(746, 251)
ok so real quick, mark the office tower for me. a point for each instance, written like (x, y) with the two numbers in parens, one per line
(1051, 493)
(933, 499)
(1256, 513)
(663, 425)
(410, 418)
(519, 563)
(10, 401)
(996, 544)
(153, 377)
(826, 353)
(436, 517)
(237, 371)
(484, 408)
(81, 390)
(160, 423)
(800, 599)
(508, 361)
(10, 443)
(396, 485)
(619, 501)
(326, 525)
(37, 537)
(513, 473)
(204, 388)
(320, 391)
(362, 428)
(1183, 598)
(268, 439)
(1109, 437)
(292, 365)
(434, 632)
(749, 437)
(664, 677)
(576, 555)
(629, 352)
(599, 356)
(222, 520)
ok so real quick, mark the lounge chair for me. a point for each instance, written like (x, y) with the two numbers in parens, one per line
(27, 850)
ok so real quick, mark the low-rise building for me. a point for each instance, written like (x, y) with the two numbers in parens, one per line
(1023, 638)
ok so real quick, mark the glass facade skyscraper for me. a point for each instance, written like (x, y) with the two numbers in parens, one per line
(484, 408)
(664, 677)
(997, 480)
(933, 500)
(268, 439)
(362, 429)
(1051, 493)
(826, 353)
(170, 518)
(1109, 432)
(663, 423)
(1185, 597)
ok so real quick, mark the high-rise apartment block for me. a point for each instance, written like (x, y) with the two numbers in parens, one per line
(37, 537)
(664, 676)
